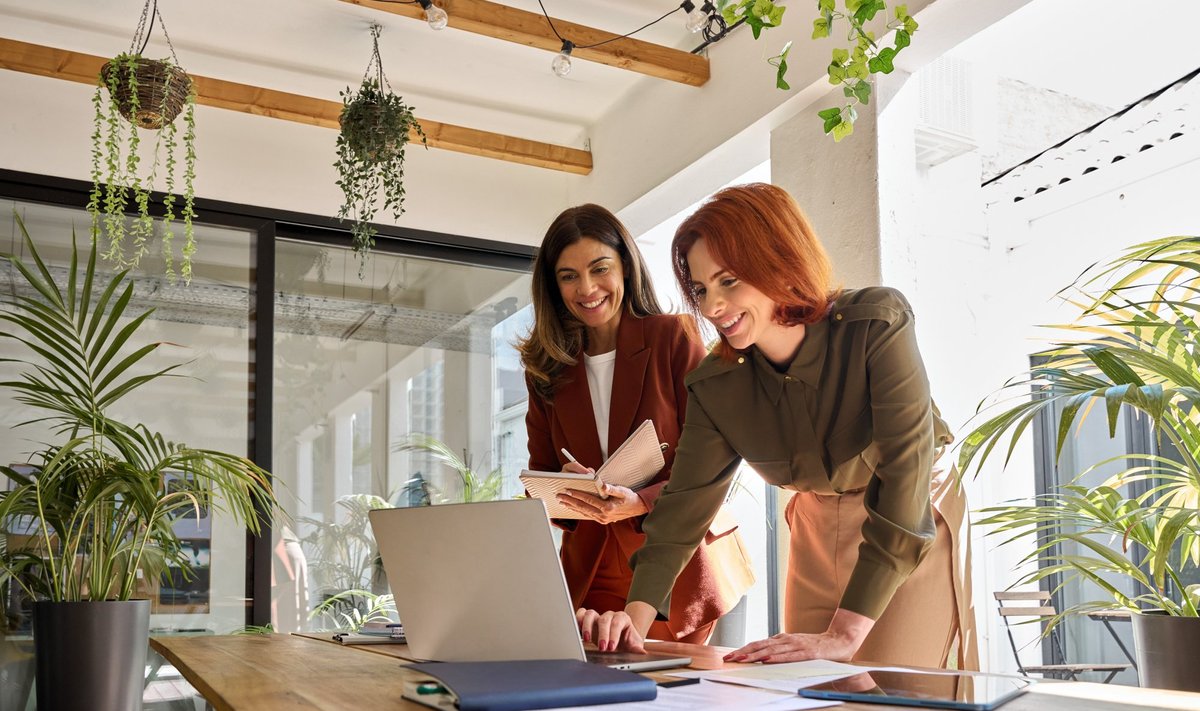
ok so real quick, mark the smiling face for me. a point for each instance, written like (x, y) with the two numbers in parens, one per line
(742, 314)
(592, 284)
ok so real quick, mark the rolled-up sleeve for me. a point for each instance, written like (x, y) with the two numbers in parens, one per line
(899, 529)
(701, 477)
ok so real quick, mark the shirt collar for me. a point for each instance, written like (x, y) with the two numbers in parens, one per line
(805, 367)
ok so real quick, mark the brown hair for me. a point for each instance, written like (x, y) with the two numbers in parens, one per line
(557, 337)
(759, 233)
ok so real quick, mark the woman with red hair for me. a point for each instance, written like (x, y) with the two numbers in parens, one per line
(824, 393)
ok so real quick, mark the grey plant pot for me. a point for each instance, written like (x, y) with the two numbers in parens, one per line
(1167, 649)
(91, 655)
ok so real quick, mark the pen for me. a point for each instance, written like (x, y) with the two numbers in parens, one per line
(430, 687)
(571, 458)
(678, 682)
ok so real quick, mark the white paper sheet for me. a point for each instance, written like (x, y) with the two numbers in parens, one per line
(716, 697)
(788, 678)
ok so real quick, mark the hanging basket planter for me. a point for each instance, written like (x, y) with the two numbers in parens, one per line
(138, 99)
(376, 125)
(150, 92)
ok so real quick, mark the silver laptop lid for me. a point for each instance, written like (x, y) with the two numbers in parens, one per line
(478, 582)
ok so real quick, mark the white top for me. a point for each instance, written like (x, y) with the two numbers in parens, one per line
(600, 380)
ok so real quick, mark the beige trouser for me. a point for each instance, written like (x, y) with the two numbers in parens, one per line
(921, 623)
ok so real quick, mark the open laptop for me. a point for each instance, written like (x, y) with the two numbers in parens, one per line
(482, 582)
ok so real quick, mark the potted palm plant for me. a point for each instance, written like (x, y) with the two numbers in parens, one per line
(97, 504)
(1135, 345)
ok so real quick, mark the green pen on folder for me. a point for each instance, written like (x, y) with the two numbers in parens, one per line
(430, 687)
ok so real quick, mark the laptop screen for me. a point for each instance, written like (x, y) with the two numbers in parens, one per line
(478, 582)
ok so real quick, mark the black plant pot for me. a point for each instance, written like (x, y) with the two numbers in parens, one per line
(91, 655)
(1167, 649)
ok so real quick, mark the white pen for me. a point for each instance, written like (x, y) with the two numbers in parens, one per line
(571, 458)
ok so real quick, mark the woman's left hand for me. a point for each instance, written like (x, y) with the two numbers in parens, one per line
(785, 647)
(840, 642)
(622, 503)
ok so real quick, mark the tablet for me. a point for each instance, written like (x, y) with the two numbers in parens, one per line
(949, 690)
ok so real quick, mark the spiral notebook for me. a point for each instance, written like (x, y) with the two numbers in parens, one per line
(633, 465)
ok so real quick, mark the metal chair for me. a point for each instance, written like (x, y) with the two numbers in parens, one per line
(1042, 608)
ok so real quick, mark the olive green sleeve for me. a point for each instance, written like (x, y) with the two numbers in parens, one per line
(899, 529)
(701, 477)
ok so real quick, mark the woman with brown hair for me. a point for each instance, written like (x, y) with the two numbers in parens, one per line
(824, 393)
(601, 359)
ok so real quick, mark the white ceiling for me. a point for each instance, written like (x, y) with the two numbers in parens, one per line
(319, 47)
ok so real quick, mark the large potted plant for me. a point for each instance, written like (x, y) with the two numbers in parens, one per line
(96, 505)
(376, 125)
(1136, 345)
(136, 94)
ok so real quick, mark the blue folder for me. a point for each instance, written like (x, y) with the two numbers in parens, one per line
(537, 684)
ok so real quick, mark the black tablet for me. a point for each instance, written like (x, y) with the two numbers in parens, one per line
(949, 690)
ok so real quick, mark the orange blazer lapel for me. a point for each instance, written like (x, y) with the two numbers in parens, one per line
(629, 374)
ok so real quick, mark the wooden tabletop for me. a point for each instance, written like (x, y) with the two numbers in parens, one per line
(268, 672)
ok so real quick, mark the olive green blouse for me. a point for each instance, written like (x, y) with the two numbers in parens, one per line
(853, 410)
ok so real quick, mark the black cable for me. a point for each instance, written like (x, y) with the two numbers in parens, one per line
(611, 39)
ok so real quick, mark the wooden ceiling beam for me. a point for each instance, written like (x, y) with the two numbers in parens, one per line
(85, 68)
(531, 29)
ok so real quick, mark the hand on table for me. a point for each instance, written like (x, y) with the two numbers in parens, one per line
(840, 642)
(622, 502)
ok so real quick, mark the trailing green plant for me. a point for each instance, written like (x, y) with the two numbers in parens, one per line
(851, 67)
(376, 125)
(1137, 346)
(475, 487)
(135, 94)
(101, 500)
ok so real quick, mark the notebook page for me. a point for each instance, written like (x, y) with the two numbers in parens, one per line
(546, 486)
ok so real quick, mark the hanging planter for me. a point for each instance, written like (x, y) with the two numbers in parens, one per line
(138, 94)
(376, 125)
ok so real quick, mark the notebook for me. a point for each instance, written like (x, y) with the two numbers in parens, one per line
(511, 686)
(482, 582)
(633, 466)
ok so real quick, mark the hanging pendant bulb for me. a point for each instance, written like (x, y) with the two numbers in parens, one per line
(434, 15)
(697, 18)
(561, 65)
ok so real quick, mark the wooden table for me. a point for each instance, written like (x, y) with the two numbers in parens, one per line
(268, 672)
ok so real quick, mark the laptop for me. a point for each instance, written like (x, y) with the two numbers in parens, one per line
(482, 582)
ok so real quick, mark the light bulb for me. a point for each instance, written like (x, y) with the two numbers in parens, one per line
(561, 65)
(434, 15)
(697, 18)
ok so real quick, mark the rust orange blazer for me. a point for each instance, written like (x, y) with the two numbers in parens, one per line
(653, 355)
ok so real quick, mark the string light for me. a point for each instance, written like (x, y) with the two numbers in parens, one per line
(434, 15)
(697, 17)
(561, 64)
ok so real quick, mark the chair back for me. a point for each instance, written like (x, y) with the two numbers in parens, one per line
(1026, 604)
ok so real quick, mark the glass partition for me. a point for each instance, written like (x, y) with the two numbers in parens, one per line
(380, 378)
(205, 327)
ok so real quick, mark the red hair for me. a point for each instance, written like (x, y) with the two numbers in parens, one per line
(759, 233)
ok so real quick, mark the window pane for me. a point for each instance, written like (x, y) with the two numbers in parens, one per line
(204, 326)
(363, 365)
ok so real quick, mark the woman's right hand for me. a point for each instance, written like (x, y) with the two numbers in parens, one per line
(618, 629)
(577, 468)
